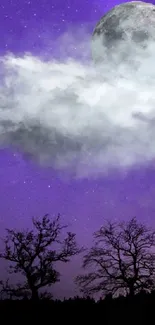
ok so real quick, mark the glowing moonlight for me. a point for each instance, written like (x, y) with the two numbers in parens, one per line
(124, 33)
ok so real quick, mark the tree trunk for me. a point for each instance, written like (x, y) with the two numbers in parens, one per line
(34, 290)
(34, 296)
(131, 291)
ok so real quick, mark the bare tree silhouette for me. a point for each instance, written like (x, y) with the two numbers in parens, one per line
(35, 253)
(122, 260)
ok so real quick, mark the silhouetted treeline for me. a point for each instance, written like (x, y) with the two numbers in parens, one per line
(123, 310)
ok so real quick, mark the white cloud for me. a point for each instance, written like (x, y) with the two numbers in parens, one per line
(69, 114)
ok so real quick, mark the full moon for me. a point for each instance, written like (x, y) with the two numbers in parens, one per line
(124, 33)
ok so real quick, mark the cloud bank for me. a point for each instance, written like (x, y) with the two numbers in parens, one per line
(69, 114)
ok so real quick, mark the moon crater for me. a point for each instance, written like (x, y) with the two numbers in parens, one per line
(126, 28)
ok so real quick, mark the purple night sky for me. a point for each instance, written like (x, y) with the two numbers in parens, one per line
(29, 189)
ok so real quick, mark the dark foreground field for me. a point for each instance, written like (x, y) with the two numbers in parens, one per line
(136, 310)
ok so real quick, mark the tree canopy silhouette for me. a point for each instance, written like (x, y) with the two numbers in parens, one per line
(122, 260)
(34, 253)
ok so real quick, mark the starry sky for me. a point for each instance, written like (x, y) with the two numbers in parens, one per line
(28, 188)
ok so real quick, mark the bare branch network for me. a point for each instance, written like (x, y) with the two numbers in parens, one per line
(122, 260)
(35, 253)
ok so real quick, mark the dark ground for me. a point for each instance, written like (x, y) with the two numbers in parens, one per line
(137, 310)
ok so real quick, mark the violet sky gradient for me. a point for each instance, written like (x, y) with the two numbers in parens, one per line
(27, 189)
